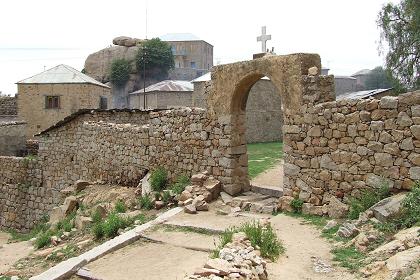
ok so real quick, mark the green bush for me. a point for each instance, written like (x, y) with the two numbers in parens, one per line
(411, 207)
(67, 223)
(180, 184)
(120, 72)
(43, 239)
(158, 179)
(155, 56)
(120, 207)
(146, 202)
(113, 223)
(166, 196)
(367, 199)
(296, 205)
(98, 230)
(264, 238)
(96, 217)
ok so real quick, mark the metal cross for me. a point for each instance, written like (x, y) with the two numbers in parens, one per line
(263, 39)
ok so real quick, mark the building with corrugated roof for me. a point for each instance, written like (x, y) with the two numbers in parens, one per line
(163, 95)
(50, 96)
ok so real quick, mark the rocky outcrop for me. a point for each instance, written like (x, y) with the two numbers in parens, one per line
(126, 41)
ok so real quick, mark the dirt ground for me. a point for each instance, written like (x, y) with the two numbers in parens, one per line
(303, 245)
(10, 253)
(272, 177)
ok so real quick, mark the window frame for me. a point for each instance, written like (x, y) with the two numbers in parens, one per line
(55, 102)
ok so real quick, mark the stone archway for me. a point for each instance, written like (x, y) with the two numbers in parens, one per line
(228, 94)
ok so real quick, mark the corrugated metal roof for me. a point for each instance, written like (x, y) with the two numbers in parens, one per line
(362, 72)
(344, 77)
(361, 94)
(179, 37)
(168, 85)
(61, 74)
(207, 77)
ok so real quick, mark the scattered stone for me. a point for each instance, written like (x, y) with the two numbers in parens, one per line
(388, 208)
(190, 209)
(70, 204)
(80, 185)
(330, 225)
(320, 266)
(337, 209)
(159, 204)
(82, 222)
(373, 268)
(347, 230)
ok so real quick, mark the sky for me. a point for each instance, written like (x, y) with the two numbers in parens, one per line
(37, 35)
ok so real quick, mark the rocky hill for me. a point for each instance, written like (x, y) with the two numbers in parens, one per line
(98, 64)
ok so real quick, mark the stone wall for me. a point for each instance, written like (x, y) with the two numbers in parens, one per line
(264, 115)
(119, 147)
(23, 200)
(12, 138)
(8, 106)
(336, 149)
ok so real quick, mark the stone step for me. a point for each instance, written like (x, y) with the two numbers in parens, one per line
(268, 190)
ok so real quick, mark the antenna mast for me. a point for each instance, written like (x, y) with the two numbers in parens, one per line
(146, 18)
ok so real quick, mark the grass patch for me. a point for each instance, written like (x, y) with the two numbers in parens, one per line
(261, 237)
(296, 205)
(159, 179)
(263, 156)
(181, 182)
(65, 253)
(318, 221)
(349, 257)
(43, 239)
(145, 202)
(67, 223)
(120, 207)
(367, 199)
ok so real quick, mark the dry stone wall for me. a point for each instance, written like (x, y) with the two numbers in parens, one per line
(23, 200)
(8, 106)
(336, 149)
(12, 138)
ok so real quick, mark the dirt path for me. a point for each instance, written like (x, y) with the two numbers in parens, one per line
(271, 177)
(10, 253)
(303, 246)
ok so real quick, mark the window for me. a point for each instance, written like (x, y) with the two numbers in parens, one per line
(103, 103)
(52, 102)
(193, 64)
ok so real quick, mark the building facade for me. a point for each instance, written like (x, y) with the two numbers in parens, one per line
(52, 95)
(193, 57)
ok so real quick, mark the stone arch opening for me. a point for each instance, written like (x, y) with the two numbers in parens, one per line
(241, 128)
(230, 85)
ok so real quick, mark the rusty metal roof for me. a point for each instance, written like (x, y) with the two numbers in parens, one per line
(61, 74)
(362, 94)
(168, 85)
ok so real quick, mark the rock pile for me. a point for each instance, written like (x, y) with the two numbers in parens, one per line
(203, 190)
(237, 260)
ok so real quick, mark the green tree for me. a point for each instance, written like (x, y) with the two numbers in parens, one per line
(157, 57)
(378, 78)
(400, 32)
(120, 72)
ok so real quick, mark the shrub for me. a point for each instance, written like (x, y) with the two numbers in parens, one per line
(166, 197)
(146, 202)
(96, 217)
(296, 205)
(120, 72)
(112, 224)
(367, 199)
(262, 237)
(411, 207)
(158, 179)
(67, 223)
(98, 230)
(120, 207)
(43, 239)
(180, 184)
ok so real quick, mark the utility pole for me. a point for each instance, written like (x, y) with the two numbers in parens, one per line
(144, 77)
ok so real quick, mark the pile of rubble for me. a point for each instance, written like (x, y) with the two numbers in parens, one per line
(237, 260)
(203, 190)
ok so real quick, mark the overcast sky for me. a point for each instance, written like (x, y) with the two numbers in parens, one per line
(44, 33)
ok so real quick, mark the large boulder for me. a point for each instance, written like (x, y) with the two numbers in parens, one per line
(126, 41)
(388, 208)
(337, 209)
(98, 64)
